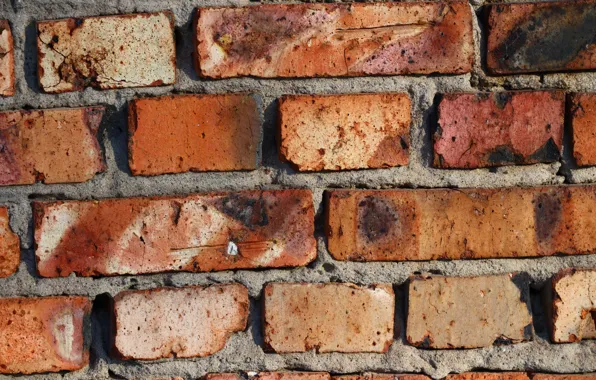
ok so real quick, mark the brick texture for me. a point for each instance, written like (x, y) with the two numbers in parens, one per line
(106, 52)
(10, 253)
(7, 80)
(328, 317)
(182, 323)
(583, 123)
(217, 231)
(381, 376)
(314, 40)
(452, 312)
(489, 376)
(43, 334)
(550, 376)
(176, 134)
(50, 146)
(337, 132)
(505, 128)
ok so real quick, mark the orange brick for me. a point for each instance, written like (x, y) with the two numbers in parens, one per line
(316, 40)
(50, 146)
(43, 334)
(7, 82)
(337, 132)
(175, 134)
(183, 323)
(583, 122)
(197, 233)
(328, 317)
(10, 253)
(550, 376)
(381, 376)
(489, 376)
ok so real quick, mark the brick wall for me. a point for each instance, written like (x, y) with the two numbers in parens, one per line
(350, 191)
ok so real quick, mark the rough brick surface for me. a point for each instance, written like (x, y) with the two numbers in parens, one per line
(337, 132)
(489, 376)
(7, 81)
(460, 224)
(183, 323)
(330, 317)
(217, 231)
(43, 334)
(175, 134)
(50, 146)
(452, 312)
(107, 52)
(583, 123)
(381, 376)
(10, 253)
(505, 128)
(545, 36)
(309, 40)
(550, 376)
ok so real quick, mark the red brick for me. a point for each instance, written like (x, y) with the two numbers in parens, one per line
(43, 334)
(545, 27)
(7, 82)
(381, 376)
(505, 128)
(197, 233)
(489, 376)
(330, 317)
(550, 376)
(50, 146)
(183, 323)
(10, 253)
(316, 40)
(135, 50)
(583, 122)
(175, 134)
(337, 132)
(468, 312)
(368, 225)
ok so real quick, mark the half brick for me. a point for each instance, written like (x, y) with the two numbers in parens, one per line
(10, 252)
(583, 124)
(7, 81)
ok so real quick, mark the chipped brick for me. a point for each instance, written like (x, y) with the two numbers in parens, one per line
(183, 323)
(7, 81)
(583, 123)
(50, 146)
(10, 253)
(288, 40)
(503, 128)
(330, 317)
(197, 233)
(43, 334)
(489, 376)
(337, 132)
(175, 134)
(381, 376)
(135, 50)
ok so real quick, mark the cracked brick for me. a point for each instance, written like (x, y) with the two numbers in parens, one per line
(7, 79)
(10, 253)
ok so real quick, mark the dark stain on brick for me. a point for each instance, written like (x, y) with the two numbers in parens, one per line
(501, 99)
(502, 341)
(549, 152)
(547, 215)
(377, 217)
(252, 212)
(504, 154)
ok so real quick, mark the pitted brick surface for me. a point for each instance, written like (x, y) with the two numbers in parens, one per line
(10, 253)
(7, 78)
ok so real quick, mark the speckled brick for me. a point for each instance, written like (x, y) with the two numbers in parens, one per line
(489, 376)
(183, 323)
(381, 376)
(468, 312)
(7, 81)
(317, 40)
(368, 225)
(44, 334)
(338, 132)
(10, 253)
(494, 129)
(135, 50)
(583, 124)
(332, 317)
(197, 233)
(50, 146)
(541, 37)
(175, 134)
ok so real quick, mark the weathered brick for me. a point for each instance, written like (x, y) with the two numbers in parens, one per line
(197, 233)
(175, 134)
(389, 225)
(10, 253)
(505, 128)
(270, 376)
(44, 334)
(314, 40)
(337, 132)
(489, 376)
(381, 376)
(50, 146)
(573, 302)
(135, 50)
(7, 82)
(468, 312)
(530, 37)
(550, 376)
(330, 317)
(583, 123)
(185, 322)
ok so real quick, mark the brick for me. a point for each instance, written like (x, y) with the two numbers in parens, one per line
(7, 81)
(183, 323)
(330, 317)
(175, 134)
(468, 312)
(550, 376)
(270, 376)
(381, 376)
(573, 302)
(135, 50)
(338, 132)
(368, 225)
(10, 253)
(50, 146)
(196, 233)
(489, 376)
(503, 128)
(283, 40)
(583, 124)
(44, 334)
(528, 37)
